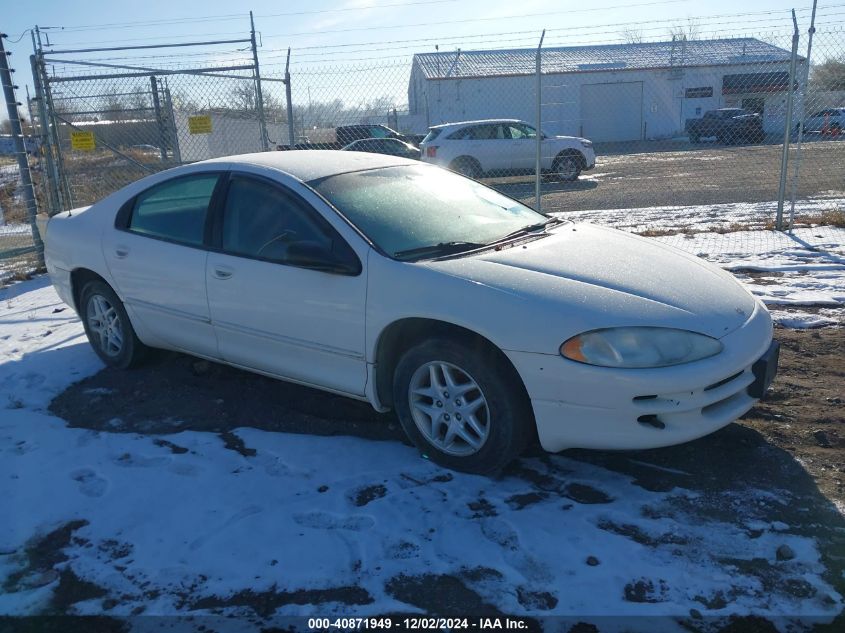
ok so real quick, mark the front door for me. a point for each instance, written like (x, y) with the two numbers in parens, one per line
(272, 314)
(157, 259)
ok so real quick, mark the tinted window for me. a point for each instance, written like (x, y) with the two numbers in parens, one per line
(432, 134)
(175, 210)
(379, 132)
(487, 132)
(261, 220)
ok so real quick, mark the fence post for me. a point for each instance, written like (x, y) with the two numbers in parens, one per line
(51, 176)
(162, 136)
(20, 149)
(259, 97)
(801, 116)
(289, 101)
(537, 171)
(787, 126)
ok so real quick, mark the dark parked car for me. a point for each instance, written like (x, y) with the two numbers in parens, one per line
(349, 133)
(728, 125)
(389, 146)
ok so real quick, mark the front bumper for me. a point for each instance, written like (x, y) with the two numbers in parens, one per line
(589, 158)
(581, 406)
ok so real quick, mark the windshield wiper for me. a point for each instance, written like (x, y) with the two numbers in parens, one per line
(527, 230)
(443, 248)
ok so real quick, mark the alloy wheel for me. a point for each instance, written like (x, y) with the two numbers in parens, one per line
(449, 408)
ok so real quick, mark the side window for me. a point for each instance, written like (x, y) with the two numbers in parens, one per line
(461, 135)
(175, 210)
(378, 132)
(520, 131)
(260, 220)
(488, 132)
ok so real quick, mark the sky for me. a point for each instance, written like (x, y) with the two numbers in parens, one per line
(331, 40)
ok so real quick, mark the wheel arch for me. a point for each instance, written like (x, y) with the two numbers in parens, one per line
(570, 151)
(402, 334)
(79, 277)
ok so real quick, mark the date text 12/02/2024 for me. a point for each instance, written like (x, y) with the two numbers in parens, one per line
(415, 624)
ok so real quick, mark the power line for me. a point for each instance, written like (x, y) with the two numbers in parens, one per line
(440, 39)
(503, 17)
(227, 16)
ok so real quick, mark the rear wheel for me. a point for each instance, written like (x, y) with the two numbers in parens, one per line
(108, 328)
(467, 166)
(461, 406)
(567, 168)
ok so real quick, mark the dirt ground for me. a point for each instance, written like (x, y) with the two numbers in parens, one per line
(803, 413)
(790, 449)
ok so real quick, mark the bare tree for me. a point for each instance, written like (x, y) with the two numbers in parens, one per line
(632, 36)
(829, 75)
(689, 31)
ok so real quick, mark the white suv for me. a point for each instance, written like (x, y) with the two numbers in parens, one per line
(504, 146)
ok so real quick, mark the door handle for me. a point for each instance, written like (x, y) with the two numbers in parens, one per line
(222, 273)
(121, 252)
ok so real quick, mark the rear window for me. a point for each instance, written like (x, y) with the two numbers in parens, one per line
(432, 134)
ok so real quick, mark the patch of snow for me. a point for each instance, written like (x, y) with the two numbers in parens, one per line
(165, 529)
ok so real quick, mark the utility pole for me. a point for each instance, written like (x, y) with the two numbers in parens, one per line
(20, 149)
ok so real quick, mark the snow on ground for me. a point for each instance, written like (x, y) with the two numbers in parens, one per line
(802, 268)
(182, 523)
(705, 217)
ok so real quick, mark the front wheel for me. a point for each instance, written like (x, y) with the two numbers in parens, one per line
(108, 328)
(567, 168)
(462, 406)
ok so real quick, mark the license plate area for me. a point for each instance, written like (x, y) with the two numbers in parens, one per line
(764, 370)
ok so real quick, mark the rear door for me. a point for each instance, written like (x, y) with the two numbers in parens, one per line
(491, 146)
(156, 254)
(275, 316)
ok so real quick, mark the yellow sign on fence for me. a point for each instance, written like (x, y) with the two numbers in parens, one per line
(200, 124)
(82, 140)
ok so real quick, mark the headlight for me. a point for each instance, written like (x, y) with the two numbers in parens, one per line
(639, 347)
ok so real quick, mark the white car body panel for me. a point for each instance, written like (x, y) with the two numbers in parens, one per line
(502, 154)
(527, 298)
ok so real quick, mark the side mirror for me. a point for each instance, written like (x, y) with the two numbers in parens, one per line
(317, 256)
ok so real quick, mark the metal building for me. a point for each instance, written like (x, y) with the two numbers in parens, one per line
(618, 92)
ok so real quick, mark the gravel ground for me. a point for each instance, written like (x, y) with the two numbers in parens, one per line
(680, 174)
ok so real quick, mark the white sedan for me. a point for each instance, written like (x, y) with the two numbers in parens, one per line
(482, 323)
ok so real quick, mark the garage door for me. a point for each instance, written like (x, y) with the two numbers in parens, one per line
(612, 112)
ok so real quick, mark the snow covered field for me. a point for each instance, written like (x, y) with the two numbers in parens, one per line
(706, 217)
(304, 525)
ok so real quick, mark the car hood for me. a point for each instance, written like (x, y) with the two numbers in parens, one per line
(602, 277)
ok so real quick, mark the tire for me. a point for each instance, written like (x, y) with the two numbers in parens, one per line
(466, 166)
(483, 386)
(118, 346)
(567, 168)
(694, 138)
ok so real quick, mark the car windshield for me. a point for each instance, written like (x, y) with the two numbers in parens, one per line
(406, 209)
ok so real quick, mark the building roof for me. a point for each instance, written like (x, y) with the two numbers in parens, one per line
(571, 59)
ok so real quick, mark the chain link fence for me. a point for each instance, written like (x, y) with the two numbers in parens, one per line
(658, 135)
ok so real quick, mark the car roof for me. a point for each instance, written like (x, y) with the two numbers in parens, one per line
(311, 164)
(475, 122)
